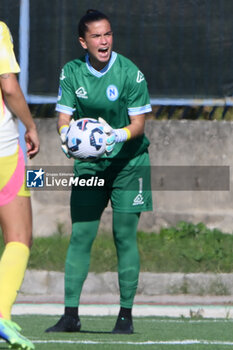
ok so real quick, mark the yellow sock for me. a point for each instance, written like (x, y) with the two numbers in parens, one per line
(13, 264)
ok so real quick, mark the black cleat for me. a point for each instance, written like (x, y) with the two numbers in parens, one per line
(66, 323)
(123, 326)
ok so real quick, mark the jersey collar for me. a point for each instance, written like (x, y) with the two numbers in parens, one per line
(97, 73)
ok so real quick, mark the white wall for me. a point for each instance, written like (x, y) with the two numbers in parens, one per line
(173, 143)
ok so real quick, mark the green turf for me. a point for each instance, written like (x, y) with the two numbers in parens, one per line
(150, 333)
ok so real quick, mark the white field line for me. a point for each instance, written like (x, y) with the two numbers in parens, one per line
(186, 321)
(149, 342)
(174, 320)
(205, 311)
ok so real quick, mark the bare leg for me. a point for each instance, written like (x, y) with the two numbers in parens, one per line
(16, 221)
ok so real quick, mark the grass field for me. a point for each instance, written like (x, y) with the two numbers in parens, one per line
(150, 333)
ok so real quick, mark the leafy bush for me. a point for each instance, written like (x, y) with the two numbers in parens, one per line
(183, 248)
(186, 248)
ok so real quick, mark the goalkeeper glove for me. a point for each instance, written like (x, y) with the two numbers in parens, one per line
(113, 135)
(63, 131)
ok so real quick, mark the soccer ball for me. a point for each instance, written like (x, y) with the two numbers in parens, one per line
(86, 139)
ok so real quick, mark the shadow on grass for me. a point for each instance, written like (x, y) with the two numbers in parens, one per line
(102, 332)
(94, 332)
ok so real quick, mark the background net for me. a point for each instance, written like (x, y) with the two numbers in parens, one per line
(184, 47)
(9, 13)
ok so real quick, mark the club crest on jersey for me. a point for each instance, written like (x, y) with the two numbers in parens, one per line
(140, 77)
(112, 93)
(81, 93)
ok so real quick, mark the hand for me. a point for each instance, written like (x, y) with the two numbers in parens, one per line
(63, 134)
(111, 136)
(65, 150)
(32, 142)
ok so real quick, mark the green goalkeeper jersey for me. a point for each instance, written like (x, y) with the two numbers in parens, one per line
(114, 93)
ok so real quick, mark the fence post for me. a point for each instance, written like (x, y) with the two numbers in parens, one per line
(24, 27)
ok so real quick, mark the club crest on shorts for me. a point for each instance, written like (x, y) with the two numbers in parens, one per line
(112, 93)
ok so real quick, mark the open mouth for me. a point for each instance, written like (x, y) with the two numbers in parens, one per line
(103, 50)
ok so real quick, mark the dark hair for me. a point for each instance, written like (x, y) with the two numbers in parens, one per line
(90, 16)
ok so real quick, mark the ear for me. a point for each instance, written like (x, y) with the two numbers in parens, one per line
(82, 42)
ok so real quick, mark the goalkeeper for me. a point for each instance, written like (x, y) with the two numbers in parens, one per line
(105, 84)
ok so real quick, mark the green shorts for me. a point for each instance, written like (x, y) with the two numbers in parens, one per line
(126, 183)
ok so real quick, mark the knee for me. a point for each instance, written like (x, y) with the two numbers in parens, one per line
(21, 237)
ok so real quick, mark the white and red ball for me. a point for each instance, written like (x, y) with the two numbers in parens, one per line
(86, 139)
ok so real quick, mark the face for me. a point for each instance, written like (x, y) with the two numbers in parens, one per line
(98, 42)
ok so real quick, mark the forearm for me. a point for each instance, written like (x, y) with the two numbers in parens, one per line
(19, 108)
(136, 126)
(133, 130)
(63, 120)
(15, 100)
